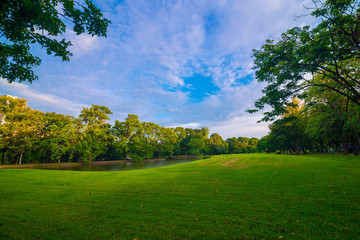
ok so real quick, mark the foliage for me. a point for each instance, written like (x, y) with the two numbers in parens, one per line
(95, 131)
(331, 50)
(25, 23)
(242, 145)
(326, 122)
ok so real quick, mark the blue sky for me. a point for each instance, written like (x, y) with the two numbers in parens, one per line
(174, 63)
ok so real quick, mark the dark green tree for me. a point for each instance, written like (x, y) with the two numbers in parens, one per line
(95, 132)
(25, 23)
(331, 49)
(218, 145)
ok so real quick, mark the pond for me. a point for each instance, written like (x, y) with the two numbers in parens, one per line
(121, 166)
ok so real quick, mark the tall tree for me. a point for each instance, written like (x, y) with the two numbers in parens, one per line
(59, 134)
(24, 23)
(22, 127)
(332, 119)
(331, 49)
(96, 132)
(218, 145)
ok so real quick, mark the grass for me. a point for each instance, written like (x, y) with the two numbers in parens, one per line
(253, 196)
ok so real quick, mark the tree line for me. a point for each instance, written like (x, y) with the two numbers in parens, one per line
(32, 136)
(323, 122)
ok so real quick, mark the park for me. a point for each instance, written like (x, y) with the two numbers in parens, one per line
(241, 196)
(180, 119)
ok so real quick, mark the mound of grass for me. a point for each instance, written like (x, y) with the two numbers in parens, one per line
(253, 196)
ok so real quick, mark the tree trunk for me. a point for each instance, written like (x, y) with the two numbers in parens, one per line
(47, 156)
(21, 155)
(59, 160)
(356, 151)
(323, 149)
(303, 146)
(345, 148)
(354, 147)
(312, 147)
(297, 151)
(6, 156)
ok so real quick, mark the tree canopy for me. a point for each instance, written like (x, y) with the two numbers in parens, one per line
(331, 51)
(25, 23)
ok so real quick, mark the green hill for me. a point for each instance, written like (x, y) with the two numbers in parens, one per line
(247, 196)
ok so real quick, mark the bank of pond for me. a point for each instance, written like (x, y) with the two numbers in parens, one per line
(117, 165)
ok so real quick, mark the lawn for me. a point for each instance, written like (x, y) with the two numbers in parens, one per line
(246, 196)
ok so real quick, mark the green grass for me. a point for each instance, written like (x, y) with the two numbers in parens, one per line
(254, 196)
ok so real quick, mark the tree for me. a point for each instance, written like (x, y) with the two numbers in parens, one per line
(119, 144)
(59, 134)
(24, 23)
(8, 107)
(218, 145)
(287, 133)
(234, 145)
(25, 128)
(96, 132)
(167, 138)
(196, 146)
(332, 120)
(21, 129)
(331, 49)
(263, 145)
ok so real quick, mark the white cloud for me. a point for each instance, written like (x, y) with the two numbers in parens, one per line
(244, 126)
(38, 99)
(82, 44)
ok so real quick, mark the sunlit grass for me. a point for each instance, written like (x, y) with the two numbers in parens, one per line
(253, 196)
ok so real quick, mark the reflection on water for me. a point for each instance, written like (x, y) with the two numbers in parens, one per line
(126, 166)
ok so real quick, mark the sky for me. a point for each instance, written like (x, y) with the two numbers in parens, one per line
(172, 62)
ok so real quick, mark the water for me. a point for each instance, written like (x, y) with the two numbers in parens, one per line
(126, 165)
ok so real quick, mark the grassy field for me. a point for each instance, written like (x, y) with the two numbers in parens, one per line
(253, 196)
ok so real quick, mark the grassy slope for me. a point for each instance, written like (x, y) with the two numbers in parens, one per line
(255, 196)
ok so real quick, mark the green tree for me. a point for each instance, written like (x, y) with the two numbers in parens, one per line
(24, 23)
(332, 119)
(95, 133)
(234, 145)
(287, 133)
(218, 145)
(331, 49)
(26, 129)
(58, 134)
(119, 145)
(8, 107)
(167, 139)
(22, 127)
(263, 145)
(196, 146)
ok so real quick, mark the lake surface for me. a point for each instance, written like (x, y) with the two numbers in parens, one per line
(126, 165)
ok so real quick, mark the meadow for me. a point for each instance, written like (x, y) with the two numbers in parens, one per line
(243, 196)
